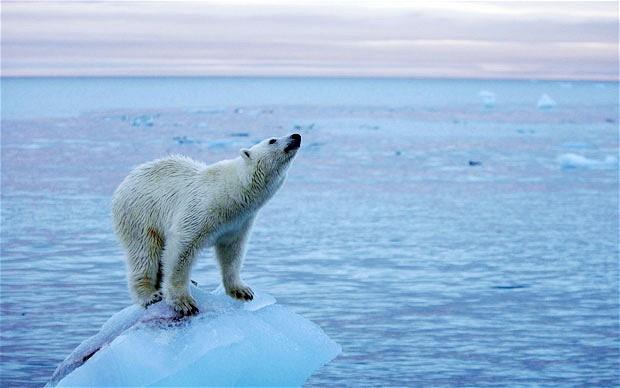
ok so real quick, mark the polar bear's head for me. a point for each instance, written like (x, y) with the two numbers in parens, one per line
(268, 160)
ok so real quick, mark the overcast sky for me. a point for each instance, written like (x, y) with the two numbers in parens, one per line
(555, 40)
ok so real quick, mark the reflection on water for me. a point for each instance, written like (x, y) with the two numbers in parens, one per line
(426, 269)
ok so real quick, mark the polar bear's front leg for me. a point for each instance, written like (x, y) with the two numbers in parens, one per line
(178, 259)
(230, 253)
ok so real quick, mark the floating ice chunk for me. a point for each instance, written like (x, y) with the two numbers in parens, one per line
(303, 128)
(577, 145)
(313, 146)
(545, 102)
(368, 126)
(183, 140)
(228, 343)
(569, 161)
(143, 121)
(488, 98)
(208, 111)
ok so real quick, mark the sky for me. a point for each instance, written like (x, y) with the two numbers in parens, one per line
(367, 38)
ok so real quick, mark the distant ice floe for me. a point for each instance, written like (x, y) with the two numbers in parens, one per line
(369, 126)
(576, 145)
(546, 102)
(219, 144)
(488, 98)
(143, 121)
(183, 140)
(230, 343)
(209, 111)
(303, 128)
(571, 161)
(249, 112)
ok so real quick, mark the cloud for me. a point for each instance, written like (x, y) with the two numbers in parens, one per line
(362, 38)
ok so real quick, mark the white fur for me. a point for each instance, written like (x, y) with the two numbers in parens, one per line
(166, 210)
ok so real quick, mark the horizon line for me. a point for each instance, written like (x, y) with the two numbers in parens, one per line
(314, 76)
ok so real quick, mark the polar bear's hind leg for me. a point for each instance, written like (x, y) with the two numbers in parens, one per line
(143, 265)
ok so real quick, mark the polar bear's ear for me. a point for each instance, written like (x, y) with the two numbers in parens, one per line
(245, 153)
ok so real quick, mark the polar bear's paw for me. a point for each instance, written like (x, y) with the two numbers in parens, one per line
(185, 305)
(240, 292)
(152, 299)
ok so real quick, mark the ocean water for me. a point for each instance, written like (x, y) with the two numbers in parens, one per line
(443, 232)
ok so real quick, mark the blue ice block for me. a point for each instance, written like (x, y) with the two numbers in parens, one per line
(228, 343)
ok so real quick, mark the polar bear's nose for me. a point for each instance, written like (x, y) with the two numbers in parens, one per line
(294, 143)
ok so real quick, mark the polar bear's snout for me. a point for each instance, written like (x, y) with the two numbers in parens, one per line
(294, 142)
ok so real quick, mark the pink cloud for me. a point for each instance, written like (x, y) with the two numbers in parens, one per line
(368, 38)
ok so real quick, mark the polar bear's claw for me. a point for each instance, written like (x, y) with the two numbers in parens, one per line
(185, 306)
(154, 298)
(241, 293)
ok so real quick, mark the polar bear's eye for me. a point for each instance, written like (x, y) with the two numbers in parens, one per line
(272, 141)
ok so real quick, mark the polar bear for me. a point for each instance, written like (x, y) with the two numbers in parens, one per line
(166, 210)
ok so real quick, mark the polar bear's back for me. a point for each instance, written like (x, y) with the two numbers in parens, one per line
(151, 192)
(165, 171)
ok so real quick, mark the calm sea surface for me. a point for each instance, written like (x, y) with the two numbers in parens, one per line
(443, 232)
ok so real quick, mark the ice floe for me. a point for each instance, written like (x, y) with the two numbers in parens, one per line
(571, 160)
(228, 343)
(545, 102)
(488, 98)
